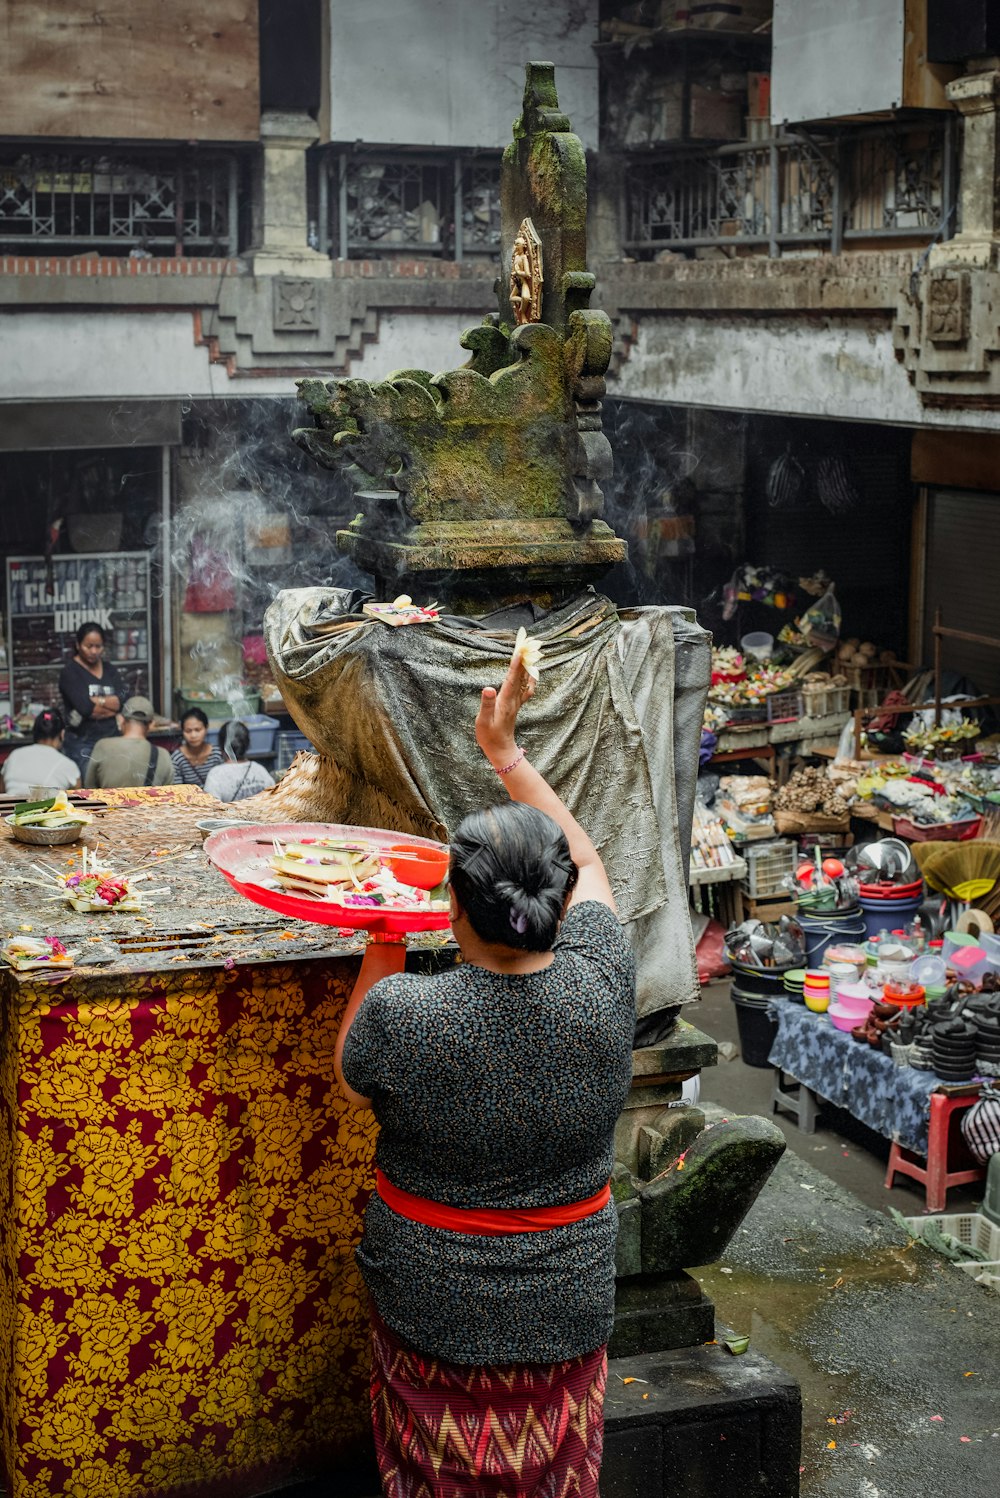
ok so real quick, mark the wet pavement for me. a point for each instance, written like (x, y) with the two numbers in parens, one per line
(897, 1352)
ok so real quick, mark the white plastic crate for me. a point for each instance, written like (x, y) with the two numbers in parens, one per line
(823, 701)
(971, 1228)
(983, 1274)
(767, 865)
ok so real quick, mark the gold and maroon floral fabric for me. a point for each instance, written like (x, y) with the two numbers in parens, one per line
(182, 1193)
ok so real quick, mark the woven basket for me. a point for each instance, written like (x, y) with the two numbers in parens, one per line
(45, 837)
(315, 789)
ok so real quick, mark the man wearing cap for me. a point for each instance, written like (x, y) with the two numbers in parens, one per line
(130, 759)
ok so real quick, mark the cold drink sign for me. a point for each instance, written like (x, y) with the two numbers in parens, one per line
(75, 590)
(48, 601)
(62, 600)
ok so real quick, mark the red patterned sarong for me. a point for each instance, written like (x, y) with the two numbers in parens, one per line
(521, 1430)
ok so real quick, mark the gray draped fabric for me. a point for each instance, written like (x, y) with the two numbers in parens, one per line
(394, 707)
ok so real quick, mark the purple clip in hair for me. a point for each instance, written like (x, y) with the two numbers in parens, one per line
(519, 922)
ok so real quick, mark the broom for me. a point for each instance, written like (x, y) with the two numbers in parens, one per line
(962, 871)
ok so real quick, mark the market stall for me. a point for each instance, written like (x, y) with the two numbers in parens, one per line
(184, 1182)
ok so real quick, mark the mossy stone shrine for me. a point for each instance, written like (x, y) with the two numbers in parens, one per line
(482, 486)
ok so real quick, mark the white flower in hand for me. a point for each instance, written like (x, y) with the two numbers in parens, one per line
(527, 654)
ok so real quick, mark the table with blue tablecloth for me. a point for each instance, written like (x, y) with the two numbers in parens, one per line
(893, 1100)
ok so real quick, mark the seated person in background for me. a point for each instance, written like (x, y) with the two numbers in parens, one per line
(130, 760)
(196, 756)
(240, 777)
(41, 766)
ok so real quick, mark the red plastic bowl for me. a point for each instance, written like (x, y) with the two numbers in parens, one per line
(904, 995)
(890, 892)
(421, 866)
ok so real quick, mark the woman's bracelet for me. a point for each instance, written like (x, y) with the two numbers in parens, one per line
(506, 769)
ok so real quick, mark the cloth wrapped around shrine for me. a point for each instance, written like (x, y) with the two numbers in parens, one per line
(613, 726)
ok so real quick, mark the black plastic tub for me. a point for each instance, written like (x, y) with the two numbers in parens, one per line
(759, 982)
(757, 1028)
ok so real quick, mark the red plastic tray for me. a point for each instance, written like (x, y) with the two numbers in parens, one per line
(243, 854)
(931, 832)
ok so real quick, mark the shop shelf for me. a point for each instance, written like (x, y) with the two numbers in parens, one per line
(767, 865)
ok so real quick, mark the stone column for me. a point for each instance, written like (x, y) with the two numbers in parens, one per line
(977, 97)
(284, 247)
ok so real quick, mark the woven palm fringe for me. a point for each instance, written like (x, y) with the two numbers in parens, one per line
(315, 789)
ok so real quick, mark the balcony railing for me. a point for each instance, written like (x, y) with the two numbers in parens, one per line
(371, 206)
(160, 202)
(883, 183)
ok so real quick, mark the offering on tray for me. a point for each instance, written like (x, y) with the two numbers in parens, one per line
(26, 953)
(100, 889)
(55, 812)
(401, 610)
(96, 888)
(357, 874)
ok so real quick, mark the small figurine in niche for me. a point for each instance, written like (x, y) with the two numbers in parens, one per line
(526, 274)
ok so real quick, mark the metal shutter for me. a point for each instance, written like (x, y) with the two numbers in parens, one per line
(963, 580)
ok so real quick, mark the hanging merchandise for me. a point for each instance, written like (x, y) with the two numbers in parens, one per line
(981, 1125)
(820, 624)
(210, 588)
(750, 584)
(785, 479)
(835, 486)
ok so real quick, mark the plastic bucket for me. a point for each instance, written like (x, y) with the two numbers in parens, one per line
(880, 915)
(758, 982)
(757, 1028)
(837, 927)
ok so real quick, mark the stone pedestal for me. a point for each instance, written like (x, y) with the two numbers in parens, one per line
(977, 97)
(284, 236)
(654, 1311)
(710, 1424)
(658, 1074)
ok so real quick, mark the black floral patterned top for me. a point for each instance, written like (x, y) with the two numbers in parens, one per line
(499, 1091)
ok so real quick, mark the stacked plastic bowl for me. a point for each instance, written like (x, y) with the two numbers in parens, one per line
(816, 990)
(887, 906)
(794, 981)
(851, 1006)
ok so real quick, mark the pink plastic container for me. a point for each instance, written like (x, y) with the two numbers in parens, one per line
(970, 963)
(844, 1019)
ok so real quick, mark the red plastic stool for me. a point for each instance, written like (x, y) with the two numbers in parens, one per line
(934, 1174)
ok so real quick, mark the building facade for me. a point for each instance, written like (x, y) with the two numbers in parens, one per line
(794, 225)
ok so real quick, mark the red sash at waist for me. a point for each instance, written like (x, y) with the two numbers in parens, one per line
(488, 1222)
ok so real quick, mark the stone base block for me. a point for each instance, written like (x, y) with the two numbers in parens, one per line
(660, 1311)
(712, 1424)
(489, 557)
